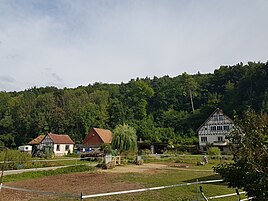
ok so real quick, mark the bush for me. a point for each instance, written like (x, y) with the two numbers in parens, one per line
(74, 155)
(214, 152)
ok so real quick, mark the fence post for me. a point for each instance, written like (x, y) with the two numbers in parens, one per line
(196, 188)
(238, 194)
(202, 193)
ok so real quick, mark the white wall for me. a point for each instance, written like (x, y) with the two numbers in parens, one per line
(211, 139)
(217, 119)
(62, 150)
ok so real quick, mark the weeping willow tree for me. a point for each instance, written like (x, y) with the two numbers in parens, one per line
(124, 138)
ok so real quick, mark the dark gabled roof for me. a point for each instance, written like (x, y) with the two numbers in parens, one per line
(60, 139)
(217, 110)
(37, 140)
(105, 134)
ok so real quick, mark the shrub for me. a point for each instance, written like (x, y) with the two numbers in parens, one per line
(214, 152)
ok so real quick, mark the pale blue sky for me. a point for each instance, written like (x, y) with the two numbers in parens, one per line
(67, 43)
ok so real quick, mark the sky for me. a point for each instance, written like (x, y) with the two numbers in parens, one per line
(69, 43)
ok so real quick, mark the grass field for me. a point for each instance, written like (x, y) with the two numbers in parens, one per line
(170, 177)
(118, 179)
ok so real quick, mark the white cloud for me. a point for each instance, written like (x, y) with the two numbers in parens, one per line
(71, 43)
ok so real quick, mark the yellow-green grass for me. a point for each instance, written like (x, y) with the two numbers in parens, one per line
(45, 173)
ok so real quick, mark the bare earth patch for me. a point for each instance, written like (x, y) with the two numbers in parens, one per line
(148, 168)
(73, 184)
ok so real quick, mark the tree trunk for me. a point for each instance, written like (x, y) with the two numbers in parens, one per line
(191, 99)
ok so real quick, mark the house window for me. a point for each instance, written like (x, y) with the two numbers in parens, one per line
(219, 128)
(226, 128)
(213, 128)
(215, 117)
(58, 147)
(220, 139)
(220, 117)
(204, 139)
(66, 147)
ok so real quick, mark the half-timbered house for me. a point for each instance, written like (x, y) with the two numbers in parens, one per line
(58, 144)
(214, 130)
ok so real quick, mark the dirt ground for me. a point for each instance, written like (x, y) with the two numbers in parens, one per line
(73, 184)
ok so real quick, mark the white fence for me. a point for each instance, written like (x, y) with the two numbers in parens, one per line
(148, 189)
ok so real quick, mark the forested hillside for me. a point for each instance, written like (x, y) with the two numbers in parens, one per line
(161, 109)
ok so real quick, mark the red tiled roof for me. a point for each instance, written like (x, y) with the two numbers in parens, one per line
(60, 139)
(105, 134)
(37, 140)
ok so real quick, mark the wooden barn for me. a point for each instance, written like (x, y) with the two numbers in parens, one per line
(97, 136)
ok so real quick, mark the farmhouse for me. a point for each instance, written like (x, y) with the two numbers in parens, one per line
(214, 130)
(97, 136)
(58, 144)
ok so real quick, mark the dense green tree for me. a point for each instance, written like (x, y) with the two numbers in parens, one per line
(151, 106)
(138, 92)
(116, 112)
(249, 168)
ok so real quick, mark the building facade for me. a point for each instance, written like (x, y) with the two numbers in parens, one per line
(59, 144)
(214, 130)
